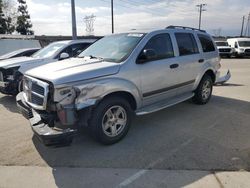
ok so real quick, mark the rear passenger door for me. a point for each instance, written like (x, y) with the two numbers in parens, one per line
(210, 53)
(189, 61)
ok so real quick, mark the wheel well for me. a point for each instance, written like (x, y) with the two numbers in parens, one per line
(126, 95)
(211, 74)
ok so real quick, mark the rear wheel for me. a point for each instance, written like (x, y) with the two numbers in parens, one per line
(110, 120)
(204, 90)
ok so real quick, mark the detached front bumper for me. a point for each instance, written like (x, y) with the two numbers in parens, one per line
(48, 135)
(222, 79)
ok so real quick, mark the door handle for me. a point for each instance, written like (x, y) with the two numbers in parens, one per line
(174, 66)
(201, 60)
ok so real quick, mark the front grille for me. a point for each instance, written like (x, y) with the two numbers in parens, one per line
(36, 92)
(224, 50)
(36, 99)
(38, 89)
(247, 50)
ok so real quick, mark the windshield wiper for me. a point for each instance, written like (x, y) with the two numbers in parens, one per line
(92, 57)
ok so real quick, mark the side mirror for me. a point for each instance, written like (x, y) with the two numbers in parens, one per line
(63, 56)
(146, 55)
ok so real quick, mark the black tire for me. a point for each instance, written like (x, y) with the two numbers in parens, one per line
(199, 97)
(99, 114)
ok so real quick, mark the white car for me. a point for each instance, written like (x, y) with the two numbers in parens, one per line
(224, 49)
(11, 70)
(19, 53)
(241, 45)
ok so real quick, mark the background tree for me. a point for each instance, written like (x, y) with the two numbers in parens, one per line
(10, 15)
(3, 24)
(23, 20)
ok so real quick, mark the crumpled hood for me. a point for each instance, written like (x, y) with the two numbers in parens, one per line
(18, 61)
(74, 69)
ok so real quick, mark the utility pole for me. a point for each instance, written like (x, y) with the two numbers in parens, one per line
(247, 31)
(201, 9)
(112, 15)
(73, 14)
(242, 27)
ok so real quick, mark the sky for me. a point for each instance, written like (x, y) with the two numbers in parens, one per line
(53, 17)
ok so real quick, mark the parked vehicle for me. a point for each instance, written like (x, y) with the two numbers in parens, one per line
(10, 43)
(19, 53)
(114, 78)
(11, 70)
(241, 45)
(224, 49)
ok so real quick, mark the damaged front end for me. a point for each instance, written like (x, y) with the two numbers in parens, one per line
(53, 123)
(56, 113)
(10, 80)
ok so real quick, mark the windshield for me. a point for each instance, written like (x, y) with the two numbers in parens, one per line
(244, 43)
(49, 50)
(114, 48)
(222, 44)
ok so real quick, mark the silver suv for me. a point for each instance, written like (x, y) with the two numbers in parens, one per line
(116, 77)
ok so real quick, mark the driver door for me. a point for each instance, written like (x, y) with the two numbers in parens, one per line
(158, 75)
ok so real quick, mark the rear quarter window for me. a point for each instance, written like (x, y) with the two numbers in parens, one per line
(206, 43)
(186, 44)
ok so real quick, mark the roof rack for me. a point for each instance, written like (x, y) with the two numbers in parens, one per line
(183, 27)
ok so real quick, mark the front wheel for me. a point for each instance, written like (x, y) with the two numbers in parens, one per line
(204, 90)
(110, 120)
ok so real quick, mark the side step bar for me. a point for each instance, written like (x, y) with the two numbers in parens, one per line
(163, 104)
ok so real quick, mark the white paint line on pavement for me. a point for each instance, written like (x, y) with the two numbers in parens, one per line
(138, 174)
(132, 178)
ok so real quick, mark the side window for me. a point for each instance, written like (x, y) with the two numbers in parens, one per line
(28, 53)
(186, 44)
(19, 55)
(162, 46)
(67, 50)
(78, 48)
(206, 43)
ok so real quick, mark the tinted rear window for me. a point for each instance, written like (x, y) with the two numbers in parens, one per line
(186, 44)
(206, 43)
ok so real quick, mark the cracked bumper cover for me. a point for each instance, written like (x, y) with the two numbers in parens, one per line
(223, 79)
(48, 135)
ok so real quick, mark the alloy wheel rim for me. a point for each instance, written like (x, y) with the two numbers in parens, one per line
(206, 90)
(114, 121)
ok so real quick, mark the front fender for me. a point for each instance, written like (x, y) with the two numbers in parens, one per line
(90, 94)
